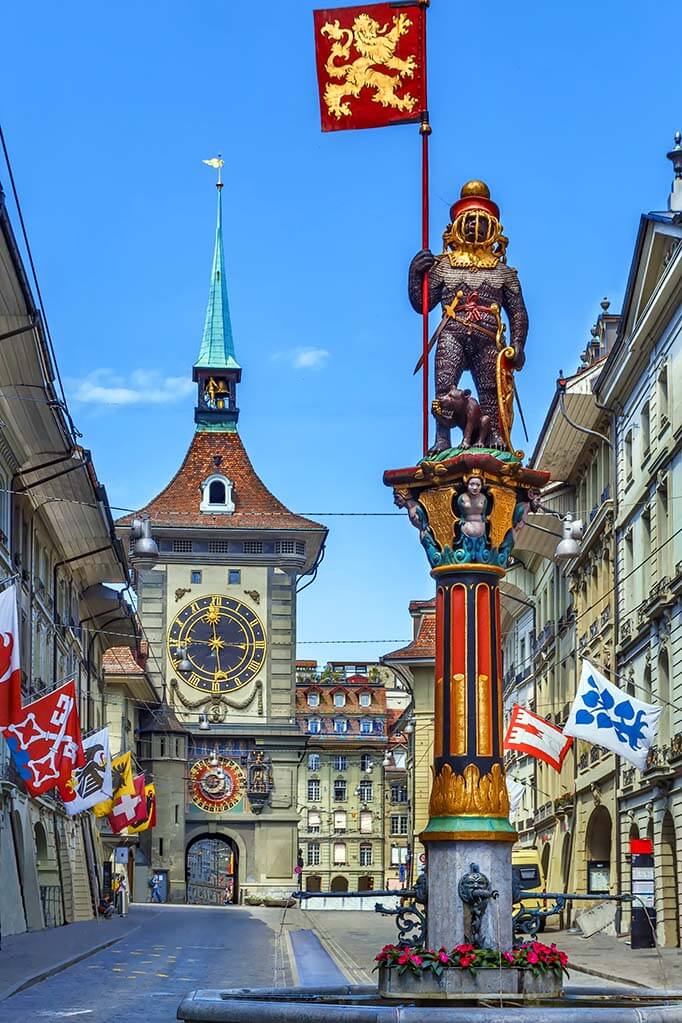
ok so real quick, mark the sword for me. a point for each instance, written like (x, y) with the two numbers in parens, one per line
(523, 420)
(448, 314)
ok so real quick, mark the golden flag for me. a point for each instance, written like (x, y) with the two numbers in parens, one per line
(121, 783)
(150, 819)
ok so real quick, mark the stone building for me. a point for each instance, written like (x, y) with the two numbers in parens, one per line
(397, 804)
(218, 607)
(57, 542)
(641, 383)
(342, 717)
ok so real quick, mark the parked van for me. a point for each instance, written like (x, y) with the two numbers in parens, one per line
(528, 873)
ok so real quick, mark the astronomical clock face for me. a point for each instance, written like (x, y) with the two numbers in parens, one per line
(216, 788)
(225, 642)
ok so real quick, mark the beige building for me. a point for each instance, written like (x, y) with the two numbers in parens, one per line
(642, 382)
(341, 711)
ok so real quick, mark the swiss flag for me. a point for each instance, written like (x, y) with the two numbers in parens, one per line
(531, 734)
(44, 739)
(129, 811)
(10, 667)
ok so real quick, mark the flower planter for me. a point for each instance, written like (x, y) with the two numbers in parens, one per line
(455, 982)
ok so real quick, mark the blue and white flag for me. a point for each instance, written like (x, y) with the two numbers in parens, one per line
(603, 714)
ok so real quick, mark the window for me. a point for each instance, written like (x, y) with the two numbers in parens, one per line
(176, 808)
(360, 669)
(285, 547)
(340, 763)
(627, 456)
(195, 577)
(339, 854)
(662, 391)
(365, 727)
(365, 854)
(400, 760)
(339, 699)
(398, 823)
(216, 495)
(314, 821)
(314, 726)
(339, 821)
(313, 698)
(160, 847)
(340, 790)
(398, 792)
(313, 859)
(365, 699)
(253, 547)
(646, 428)
(313, 790)
(300, 546)
(182, 546)
(365, 791)
(366, 822)
(313, 761)
(398, 855)
(366, 762)
(218, 546)
(340, 726)
(234, 577)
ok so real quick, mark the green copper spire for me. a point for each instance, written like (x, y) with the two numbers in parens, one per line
(217, 345)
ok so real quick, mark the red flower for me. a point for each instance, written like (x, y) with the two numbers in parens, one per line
(464, 948)
(533, 958)
(465, 961)
(509, 956)
(417, 960)
(443, 956)
(563, 958)
(402, 959)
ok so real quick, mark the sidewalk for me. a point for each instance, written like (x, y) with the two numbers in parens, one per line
(354, 938)
(26, 959)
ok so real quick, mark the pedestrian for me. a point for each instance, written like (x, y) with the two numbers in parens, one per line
(155, 885)
(121, 893)
(106, 907)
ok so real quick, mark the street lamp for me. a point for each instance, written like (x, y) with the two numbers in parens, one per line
(569, 546)
(145, 547)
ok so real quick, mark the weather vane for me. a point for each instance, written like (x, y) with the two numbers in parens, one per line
(218, 163)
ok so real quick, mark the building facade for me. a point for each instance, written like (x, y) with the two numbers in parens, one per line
(57, 543)
(342, 715)
(218, 607)
(642, 383)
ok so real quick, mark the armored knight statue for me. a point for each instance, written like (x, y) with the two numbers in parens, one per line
(472, 282)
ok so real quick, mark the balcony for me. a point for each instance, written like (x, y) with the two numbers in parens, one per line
(544, 811)
(629, 777)
(564, 804)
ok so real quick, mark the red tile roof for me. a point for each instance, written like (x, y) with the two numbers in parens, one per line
(120, 660)
(423, 647)
(416, 606)
(255, 506)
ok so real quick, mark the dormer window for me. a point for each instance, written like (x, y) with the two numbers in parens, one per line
(216, 495)
(339, 698)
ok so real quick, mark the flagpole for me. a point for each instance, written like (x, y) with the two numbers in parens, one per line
(425, 131)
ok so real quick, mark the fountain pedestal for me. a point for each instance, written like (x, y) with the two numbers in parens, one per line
(468, 507)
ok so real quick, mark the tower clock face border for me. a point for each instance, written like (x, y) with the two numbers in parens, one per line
(225, 642)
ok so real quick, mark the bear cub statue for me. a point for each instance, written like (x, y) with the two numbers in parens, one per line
(458, 408)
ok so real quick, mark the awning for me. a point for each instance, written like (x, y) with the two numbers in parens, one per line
(560, 444)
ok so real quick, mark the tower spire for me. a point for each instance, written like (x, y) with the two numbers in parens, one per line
(216, 370)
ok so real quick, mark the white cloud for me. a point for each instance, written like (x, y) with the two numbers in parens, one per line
(304, 358)
(104, 387)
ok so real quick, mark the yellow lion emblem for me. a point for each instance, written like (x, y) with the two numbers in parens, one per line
(376, 44)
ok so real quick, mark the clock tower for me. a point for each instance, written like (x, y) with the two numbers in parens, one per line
(218, 608)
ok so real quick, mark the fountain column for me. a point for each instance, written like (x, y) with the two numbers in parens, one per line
(468, 509)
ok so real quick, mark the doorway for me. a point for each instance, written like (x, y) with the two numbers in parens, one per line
(212, 871)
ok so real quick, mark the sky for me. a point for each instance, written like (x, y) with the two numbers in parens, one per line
(566, 110)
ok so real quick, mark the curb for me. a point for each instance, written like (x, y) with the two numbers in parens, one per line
(348, 966)
(605, 976)
(60, 966)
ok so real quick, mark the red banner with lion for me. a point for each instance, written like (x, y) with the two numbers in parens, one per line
(370, 65)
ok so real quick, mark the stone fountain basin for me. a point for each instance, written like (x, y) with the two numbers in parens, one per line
(363, 1004)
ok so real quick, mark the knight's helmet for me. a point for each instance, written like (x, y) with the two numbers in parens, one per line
(475, 221)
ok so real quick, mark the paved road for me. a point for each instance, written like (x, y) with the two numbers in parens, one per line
(145, 975)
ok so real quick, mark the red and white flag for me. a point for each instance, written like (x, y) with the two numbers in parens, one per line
(45, 740)
(128, 811)
(531, 734)
(10, 667)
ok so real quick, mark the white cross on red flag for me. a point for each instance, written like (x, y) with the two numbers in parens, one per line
(129, 810)
(531, 734)
(45, 740)
(10, 666)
